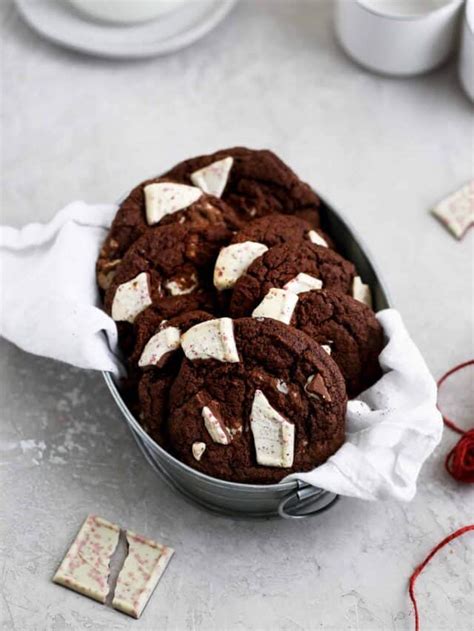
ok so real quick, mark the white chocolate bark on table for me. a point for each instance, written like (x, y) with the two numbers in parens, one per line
(143, 567)
(86, 566)
(456, 212)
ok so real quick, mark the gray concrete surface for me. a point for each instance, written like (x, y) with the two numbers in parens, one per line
(383, 151)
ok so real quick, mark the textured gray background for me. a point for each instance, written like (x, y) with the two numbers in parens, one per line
(383, 151)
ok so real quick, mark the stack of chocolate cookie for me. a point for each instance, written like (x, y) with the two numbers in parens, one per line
(243, 329)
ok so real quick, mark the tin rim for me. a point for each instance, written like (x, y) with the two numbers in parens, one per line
(261, 488)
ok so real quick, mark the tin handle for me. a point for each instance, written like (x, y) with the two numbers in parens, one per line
(306, 501)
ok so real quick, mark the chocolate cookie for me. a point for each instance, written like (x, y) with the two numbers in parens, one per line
(347, 329)
(281, 264)
(168, 266)
(158, 357)
(255, 400)
(254, 240)
(274, 230)
(254, 182)
(158, 202)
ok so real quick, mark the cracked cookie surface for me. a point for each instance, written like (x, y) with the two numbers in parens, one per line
(274, 230)
(130, 223)
(283, 263)
(349, 328)
(258, 184)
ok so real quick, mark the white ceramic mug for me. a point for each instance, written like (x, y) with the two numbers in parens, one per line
(398, 37)
(126, 11)
(466, 54)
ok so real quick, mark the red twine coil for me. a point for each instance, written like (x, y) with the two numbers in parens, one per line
(459, 462)
(460, 465)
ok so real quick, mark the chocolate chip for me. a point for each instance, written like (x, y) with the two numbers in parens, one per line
(316, 386)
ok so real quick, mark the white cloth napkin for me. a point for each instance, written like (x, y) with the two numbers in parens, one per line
(51, 307)
(50, 302)
(391, 428)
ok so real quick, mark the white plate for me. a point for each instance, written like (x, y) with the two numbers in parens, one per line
(59, 22)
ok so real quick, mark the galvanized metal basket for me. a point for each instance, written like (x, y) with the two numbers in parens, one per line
(293, 499)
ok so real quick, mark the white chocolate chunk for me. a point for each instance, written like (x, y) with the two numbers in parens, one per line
(198, 449)
(456, 212)
(176, 289)
(166, 198)
(303, 282)
(85, 568)
(317, 239)
(327, 348)
(145, 563)
(273, 435)
(131, 298)
(165, 341)
(282, 387)
(215, 427)
(234, 260)
(361, 291)
(278, 304)
(213, 339)
(213, 178)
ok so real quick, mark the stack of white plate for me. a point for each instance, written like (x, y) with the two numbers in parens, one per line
(124, 29)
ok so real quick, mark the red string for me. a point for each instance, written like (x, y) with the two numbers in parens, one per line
(422, 566)
(460, 464)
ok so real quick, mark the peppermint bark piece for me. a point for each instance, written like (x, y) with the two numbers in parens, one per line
(131, 298)
(212, 179)
(86, 566)
(278, 304)
(273, 435)
(211, 340)
(144, 565)
(166, 198)
(233, 261)
(361, 291)
(159, 346)
(456, 212)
